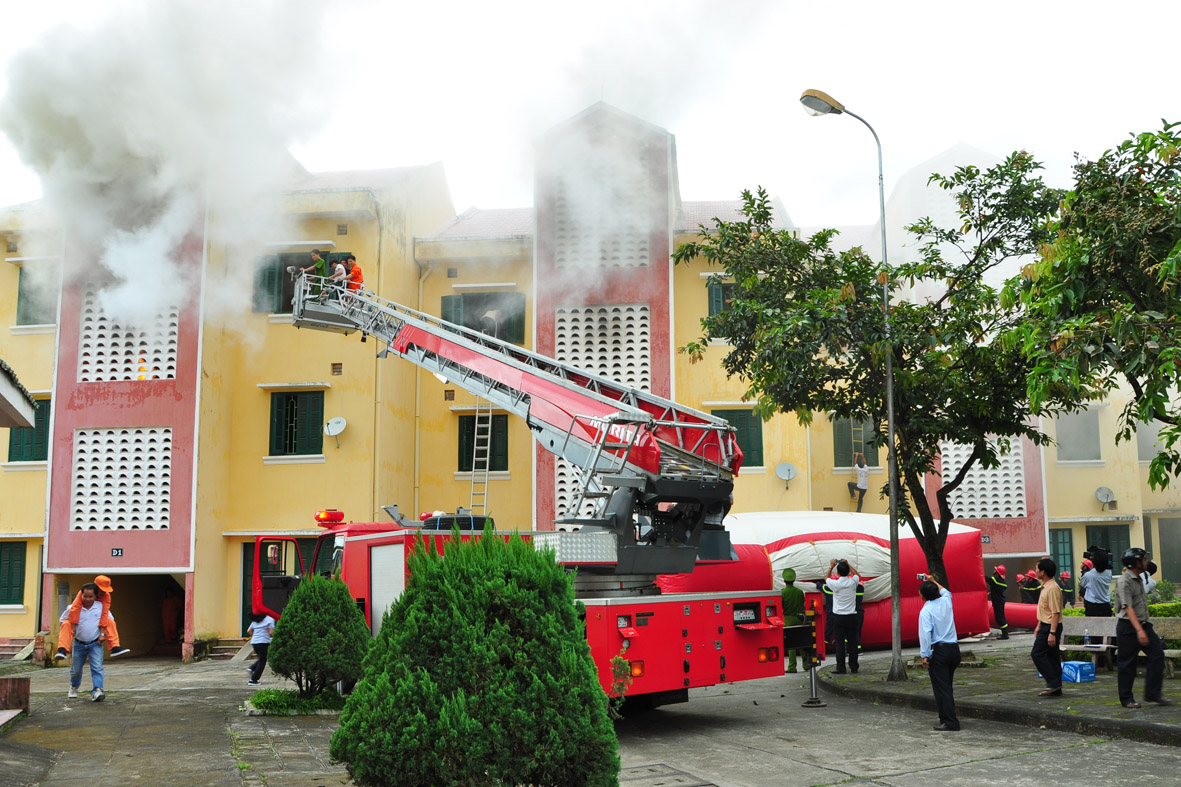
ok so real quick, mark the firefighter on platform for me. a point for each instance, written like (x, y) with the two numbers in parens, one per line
(793, 614)
(996, 594)
(106, 624)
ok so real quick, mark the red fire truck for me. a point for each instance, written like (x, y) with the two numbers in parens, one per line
(655, 482)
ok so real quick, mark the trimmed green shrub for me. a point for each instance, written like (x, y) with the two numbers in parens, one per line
(481, 676)
(321, 638)
(1074, 612)
(1170, 610)
(285, 701)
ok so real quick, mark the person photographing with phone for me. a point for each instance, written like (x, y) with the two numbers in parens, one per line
(939, 648)
(844, 612)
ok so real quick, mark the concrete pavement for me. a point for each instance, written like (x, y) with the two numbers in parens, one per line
(166, 723)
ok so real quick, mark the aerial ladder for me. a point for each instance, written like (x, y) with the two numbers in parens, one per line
(658, 476)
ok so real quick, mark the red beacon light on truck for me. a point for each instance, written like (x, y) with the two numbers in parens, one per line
(329, 517)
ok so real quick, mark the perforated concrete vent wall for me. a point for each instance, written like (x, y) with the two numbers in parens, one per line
(610, 341)
(986, 494)
(600, 209)
(110, 352)
(121, 479)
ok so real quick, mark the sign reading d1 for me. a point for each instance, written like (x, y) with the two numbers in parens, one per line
(116, 552)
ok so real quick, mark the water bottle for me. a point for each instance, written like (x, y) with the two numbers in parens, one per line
(1086, 639)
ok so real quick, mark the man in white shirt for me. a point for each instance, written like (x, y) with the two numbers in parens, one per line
(844, 612)
(859, 487)
(88, 643)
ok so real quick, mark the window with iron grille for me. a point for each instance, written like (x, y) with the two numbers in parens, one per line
(850, 438)
(720, 296)
(497, 450)
(499, 314)
(36, 295)
(12, 572)
(297, 422)
(31, 445)
(750, 434)
(274, 287)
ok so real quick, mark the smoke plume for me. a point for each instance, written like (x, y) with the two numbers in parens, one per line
(139, 124)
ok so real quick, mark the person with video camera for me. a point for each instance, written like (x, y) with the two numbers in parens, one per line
(1096, 583)
(844, 612)
(1133, 633)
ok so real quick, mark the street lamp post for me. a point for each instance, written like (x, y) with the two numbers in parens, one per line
(817, 102)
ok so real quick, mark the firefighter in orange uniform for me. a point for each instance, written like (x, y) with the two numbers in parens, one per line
(65, 637)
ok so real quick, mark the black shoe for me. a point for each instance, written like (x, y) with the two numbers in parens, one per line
(1159, 700)
(838, 672)
(61, 655)
(945, 728)
(853, 671)
(1052, 693)
(1131, 704)
(1004, 636)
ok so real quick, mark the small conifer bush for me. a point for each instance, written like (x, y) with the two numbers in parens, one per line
(321, 637)
(481, 676)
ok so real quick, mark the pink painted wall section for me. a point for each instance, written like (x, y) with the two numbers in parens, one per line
(650, 285)
(125, 404)
(1010, 535)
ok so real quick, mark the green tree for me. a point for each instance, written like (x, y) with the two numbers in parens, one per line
(481, 676)
(1102, 297)
(321, 638)
(807, 333)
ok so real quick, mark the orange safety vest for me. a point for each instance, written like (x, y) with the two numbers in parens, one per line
(76, 608)
(356, 277)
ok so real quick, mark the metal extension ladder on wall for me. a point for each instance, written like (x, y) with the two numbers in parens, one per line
(481, 456)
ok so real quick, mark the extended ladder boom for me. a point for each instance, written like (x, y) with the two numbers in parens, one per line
(637, 453)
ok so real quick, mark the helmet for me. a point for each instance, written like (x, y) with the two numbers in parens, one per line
(789, 575)
(1031, 574)
(1133, 556)
(1088, 563)
(1000, 569)
(1066, 575)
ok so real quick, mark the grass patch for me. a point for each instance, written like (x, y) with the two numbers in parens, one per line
(287, 701)
(243, 766)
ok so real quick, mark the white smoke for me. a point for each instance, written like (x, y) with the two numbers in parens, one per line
(142, 121)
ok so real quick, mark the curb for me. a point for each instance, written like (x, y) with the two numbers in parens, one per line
(1121, 728)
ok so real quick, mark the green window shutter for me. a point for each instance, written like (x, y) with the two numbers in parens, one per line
(749, 430)
(12, 572)
(842, 442)
(515, 325)
(467, 438)
(309, 423)
(31, 445)
(499, 458)
(268, 285)
(279, 403)
(716, 299)
(870, 451)
(451, 309)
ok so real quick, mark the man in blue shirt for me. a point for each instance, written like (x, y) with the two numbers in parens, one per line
(938, 645)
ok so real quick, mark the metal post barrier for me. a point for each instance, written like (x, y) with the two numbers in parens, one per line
(813, 658)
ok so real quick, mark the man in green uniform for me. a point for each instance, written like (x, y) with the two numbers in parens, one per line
(793, 612)
(319, 268)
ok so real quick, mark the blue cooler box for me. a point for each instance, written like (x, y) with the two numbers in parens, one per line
(1078, 671)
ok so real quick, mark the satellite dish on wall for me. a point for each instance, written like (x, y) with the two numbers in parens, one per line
(1104, 495)
(785, 471)
(334, 427)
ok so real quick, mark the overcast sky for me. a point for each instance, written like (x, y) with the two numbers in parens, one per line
(471, 84)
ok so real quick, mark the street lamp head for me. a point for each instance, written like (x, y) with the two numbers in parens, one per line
(817, 102)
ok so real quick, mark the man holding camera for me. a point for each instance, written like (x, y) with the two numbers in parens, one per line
(844, 612)
(1134, 633)
(939, 647)
(1096, 583)
(1046, 654)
